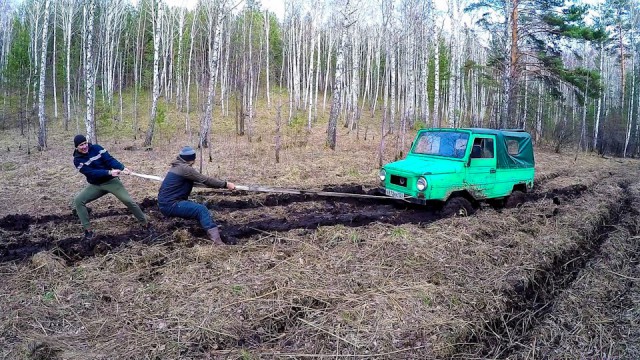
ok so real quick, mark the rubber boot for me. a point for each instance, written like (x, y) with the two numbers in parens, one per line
(87, 241)
(214, 235)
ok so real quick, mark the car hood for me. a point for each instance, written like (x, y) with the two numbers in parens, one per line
(423, 165)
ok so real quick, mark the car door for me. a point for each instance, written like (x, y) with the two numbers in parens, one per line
(481, 168)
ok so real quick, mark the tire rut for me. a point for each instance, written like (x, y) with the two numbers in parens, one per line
(529, 302)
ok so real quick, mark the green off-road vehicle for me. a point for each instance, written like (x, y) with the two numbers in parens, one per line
(458, 168)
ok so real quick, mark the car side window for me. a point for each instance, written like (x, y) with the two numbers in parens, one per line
(482, 148)
(513, 147)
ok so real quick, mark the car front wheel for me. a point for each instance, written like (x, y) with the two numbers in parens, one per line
(458, 207)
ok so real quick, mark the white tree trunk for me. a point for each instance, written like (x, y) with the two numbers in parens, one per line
(137, 62)
(596, 126)
(627, 138)
(120, 61)
(180, 61)
(35, 14)
(583, 128)
(367, 74)
(337, 85)
(53, 65)
(318, 65)
(436, 91)
(352, 102)
(214, 22)
(378, 58)
(42, 133)
(538, 133)
(526, 97)
(89, 73)
(310, 78)
(112, 20)
(187, 121)
(392, 85)
(157, 23)
(296, 45)
(410, 96)
(250, 80)
(327, 71)
(224, 99)
(68, 9)
(267, 22)
(424, 76)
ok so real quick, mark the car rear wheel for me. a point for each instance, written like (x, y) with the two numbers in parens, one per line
(457, 207)
(516, 199)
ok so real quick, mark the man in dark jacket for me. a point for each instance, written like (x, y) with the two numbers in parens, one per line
(175, 190)
(102, 171)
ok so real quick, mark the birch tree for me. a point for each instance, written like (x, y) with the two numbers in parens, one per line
(354, 84)
(542, 68)
(267, 27)
(346, 13)
(137, 64)
(435, 110)
(387, 9)
(537, 34)
(53, 65)
(34, 15)
(249, 76)
(89, 71)
(310, 73)
(192, 37)
(42, 131)
(6, 34)
(214, 16)
(180, 61)
(68, 10)
(112, 19)
(157, 24)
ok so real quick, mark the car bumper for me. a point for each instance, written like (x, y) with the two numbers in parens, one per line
(407, 198)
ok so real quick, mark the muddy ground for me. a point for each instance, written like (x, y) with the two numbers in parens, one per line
(308, 276)
(257, 214)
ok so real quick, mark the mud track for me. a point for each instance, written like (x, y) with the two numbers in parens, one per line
(528, 303)
(21, 237)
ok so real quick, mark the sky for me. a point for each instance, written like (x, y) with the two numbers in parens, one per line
(276, 6)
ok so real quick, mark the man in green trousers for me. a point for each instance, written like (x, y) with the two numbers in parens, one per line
(102, 171)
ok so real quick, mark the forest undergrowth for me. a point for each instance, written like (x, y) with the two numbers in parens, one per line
(310, 276)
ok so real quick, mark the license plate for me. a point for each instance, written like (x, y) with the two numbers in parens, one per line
(394, 194)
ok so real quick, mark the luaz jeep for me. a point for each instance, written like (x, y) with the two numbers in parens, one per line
(458, 168)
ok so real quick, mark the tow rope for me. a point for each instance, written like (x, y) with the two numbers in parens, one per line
(145, 176)
(258, 188)
(255, 188)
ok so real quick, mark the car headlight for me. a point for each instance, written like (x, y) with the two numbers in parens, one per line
(421, 184)
(382, 174)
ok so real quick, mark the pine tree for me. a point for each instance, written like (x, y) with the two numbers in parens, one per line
(539, 34)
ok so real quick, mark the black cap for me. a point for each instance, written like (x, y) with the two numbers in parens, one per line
(78, 139)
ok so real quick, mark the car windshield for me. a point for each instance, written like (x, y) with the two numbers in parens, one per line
(442, 143)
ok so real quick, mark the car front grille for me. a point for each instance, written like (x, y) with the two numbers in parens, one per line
(398, 180)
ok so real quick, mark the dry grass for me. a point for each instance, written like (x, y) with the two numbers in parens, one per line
(411, 291)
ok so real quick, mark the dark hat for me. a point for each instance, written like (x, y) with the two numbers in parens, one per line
(187, 153)
(78, 139)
